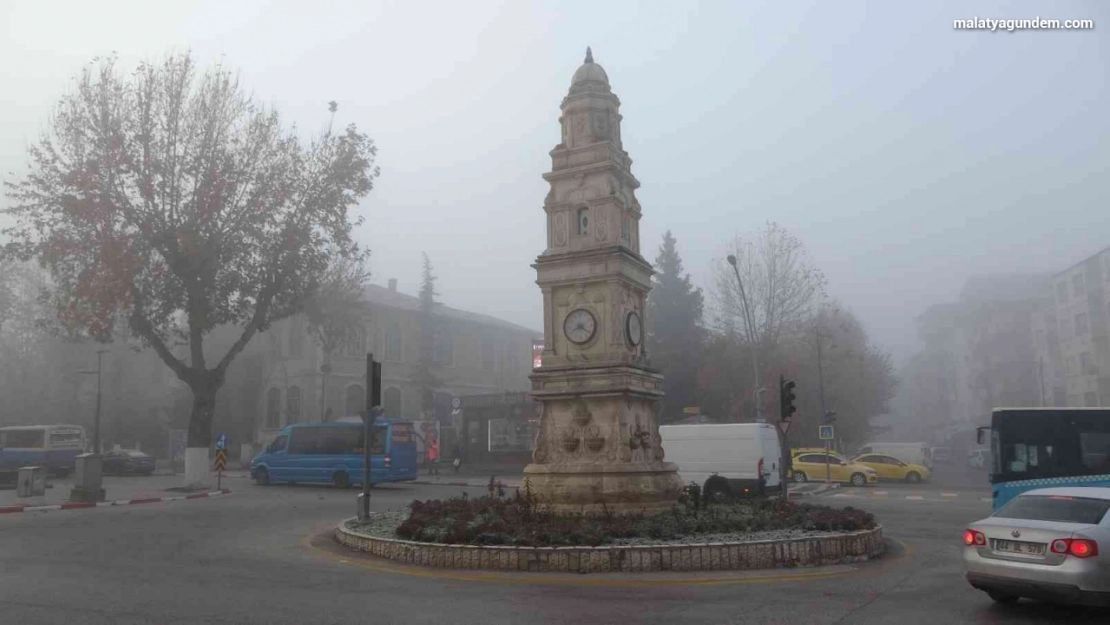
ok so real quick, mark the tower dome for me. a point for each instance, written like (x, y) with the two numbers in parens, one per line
(588, 75)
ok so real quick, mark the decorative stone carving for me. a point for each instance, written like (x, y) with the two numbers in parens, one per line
(582, 414)
(561, 229)
(601, 231)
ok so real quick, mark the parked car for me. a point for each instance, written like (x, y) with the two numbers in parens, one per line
(891, 468)
(726, 459)
(916, 453)
(979, 458)
(128, 462)
(812, 467)
(1043, 544)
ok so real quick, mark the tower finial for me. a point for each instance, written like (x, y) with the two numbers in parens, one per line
(589, 55)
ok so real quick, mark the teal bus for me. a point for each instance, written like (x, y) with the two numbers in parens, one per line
(1042, 447)
(332, 453)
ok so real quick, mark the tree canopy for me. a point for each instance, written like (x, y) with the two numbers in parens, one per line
(169, 198)
(675, 336)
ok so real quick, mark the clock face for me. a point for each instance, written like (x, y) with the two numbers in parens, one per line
(580, 326)
(633, 328)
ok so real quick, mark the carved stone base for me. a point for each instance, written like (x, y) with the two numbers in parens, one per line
(624, 487)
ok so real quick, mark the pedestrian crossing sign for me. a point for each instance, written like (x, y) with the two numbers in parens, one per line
(825, 432)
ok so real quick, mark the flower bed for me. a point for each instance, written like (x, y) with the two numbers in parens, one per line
(520, 520)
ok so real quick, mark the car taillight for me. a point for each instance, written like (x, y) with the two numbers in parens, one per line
(972, 537)
(1078, 547)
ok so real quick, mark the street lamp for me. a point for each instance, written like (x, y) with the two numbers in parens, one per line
(96, 420)
(749, 325)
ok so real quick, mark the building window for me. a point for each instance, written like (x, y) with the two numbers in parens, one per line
(1081, 324)
(293, 404)
(1086, 364)
(443, 347)
(1072, 365)
(1062, 292)
(487, 349)
(393, 344)
(583, 220)
(273, 409)
(355, 403)
(626, 229)
(1065, 327)
(1077, 284)
(506, 435)
(1090, 400)
(391, 402)
(355, 346)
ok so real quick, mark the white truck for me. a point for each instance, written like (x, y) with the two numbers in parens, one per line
(913, 453)
(727, 459)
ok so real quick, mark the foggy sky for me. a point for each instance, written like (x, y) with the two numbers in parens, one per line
(907, 156)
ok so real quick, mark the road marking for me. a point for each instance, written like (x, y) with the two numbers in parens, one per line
(949, 494)
(881, 492)
(844, 495)
(988, 499)
(915, 497)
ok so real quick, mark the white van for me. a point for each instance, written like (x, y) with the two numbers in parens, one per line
(910, 453)
(725, 459)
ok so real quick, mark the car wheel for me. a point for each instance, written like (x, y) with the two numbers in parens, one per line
(913, 477)
(261, 476)
(859, 479)
(341, 479)
(1001, 597)
(800, 476)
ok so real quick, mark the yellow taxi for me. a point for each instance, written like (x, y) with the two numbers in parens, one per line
(794, 452)
(891, 468)
(811, 466)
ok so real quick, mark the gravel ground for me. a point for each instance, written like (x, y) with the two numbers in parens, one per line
(384, 524)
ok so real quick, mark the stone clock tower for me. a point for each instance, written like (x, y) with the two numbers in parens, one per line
(598, 441)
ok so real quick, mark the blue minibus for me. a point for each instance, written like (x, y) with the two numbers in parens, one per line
(332, 453)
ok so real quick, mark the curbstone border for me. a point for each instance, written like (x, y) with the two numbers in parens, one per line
(76, 505)
(738, 556)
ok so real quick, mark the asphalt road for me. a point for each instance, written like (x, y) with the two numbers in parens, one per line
(250, 558)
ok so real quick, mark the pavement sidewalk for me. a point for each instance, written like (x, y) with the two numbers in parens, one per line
(116, 488)
(809, 489)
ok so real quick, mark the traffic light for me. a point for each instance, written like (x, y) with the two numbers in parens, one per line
(786, 398)
(830, 417)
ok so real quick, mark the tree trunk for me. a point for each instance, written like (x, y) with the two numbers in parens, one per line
(197, 470)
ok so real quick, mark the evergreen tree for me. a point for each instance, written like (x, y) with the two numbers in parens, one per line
(424, 375)
(675, 336)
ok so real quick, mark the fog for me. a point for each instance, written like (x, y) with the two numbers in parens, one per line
(906, 155)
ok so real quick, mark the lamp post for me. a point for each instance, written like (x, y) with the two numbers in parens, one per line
(749, 328)
(96, 419)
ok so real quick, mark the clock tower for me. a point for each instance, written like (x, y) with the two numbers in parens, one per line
(598, 442)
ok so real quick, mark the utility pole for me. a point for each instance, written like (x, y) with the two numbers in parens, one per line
(1040, 372)
(821, 394)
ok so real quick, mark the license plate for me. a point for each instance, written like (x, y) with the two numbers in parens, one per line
(1013, 546)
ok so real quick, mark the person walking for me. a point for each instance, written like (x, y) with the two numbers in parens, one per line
(433, 457)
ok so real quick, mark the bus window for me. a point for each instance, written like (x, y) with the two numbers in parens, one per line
(1096, 451)
(377, 441)
(25, 439)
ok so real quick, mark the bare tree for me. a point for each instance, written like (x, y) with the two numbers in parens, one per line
(169, 198)
(781, 285)
(337, 312)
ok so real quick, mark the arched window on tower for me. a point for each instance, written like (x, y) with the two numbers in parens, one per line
(391, 402)
(583, 220)
(293, 404)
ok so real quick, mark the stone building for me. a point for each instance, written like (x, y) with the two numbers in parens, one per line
(474, 354)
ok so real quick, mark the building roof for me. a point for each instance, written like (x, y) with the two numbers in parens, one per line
(589, 72)
(1006, 287)
(389, 298)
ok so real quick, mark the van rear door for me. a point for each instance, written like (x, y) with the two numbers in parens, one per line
(772, 457)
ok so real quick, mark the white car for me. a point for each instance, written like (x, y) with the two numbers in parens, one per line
(1044, 544)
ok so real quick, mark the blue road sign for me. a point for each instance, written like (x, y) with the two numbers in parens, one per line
(221, 441)
(825, 432)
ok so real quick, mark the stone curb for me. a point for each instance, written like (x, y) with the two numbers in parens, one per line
(739, 556)
(78, 505)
